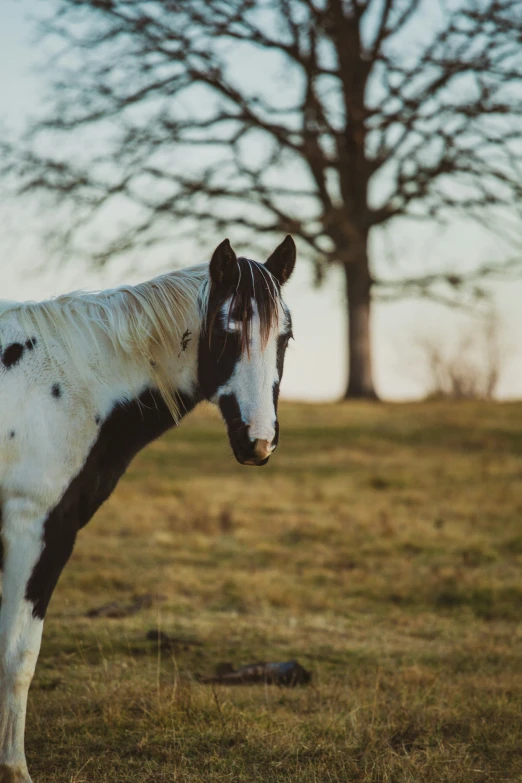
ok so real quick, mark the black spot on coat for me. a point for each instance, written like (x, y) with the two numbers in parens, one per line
(12, 355)
(56, 390)
(126, 430)
(231, 412)
(219, 352)
(282, 344)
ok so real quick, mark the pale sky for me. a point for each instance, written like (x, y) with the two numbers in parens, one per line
(315, 366)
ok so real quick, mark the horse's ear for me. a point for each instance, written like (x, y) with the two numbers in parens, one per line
(223, 264)
(282, 261)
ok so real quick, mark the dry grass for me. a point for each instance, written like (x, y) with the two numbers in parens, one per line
(381, 547)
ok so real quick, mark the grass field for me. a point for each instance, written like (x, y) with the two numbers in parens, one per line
(382, 548)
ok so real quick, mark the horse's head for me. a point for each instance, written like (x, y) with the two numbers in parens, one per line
(243, 345)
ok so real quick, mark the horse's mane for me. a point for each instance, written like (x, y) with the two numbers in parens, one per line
(148, 320)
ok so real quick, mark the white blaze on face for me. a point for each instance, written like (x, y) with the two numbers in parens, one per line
(253, 379)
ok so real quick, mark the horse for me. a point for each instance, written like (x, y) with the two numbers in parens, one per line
(86, 381)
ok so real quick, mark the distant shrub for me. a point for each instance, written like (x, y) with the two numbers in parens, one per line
(467, 367)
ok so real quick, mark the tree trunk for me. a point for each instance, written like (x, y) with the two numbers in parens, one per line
(358, 302)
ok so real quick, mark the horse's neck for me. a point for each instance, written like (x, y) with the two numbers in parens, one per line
(127, 375)
(99, 368)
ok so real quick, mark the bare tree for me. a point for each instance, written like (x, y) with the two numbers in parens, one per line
(315, 117)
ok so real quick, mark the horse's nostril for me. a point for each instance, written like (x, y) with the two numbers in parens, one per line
(263, 448)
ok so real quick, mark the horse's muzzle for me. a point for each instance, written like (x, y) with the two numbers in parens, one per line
(262, 449)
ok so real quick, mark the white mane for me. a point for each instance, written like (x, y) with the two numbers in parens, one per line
(146, 321)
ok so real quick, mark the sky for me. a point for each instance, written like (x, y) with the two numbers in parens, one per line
(316, 363)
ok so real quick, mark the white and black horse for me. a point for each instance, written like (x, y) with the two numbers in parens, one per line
(86, 381)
